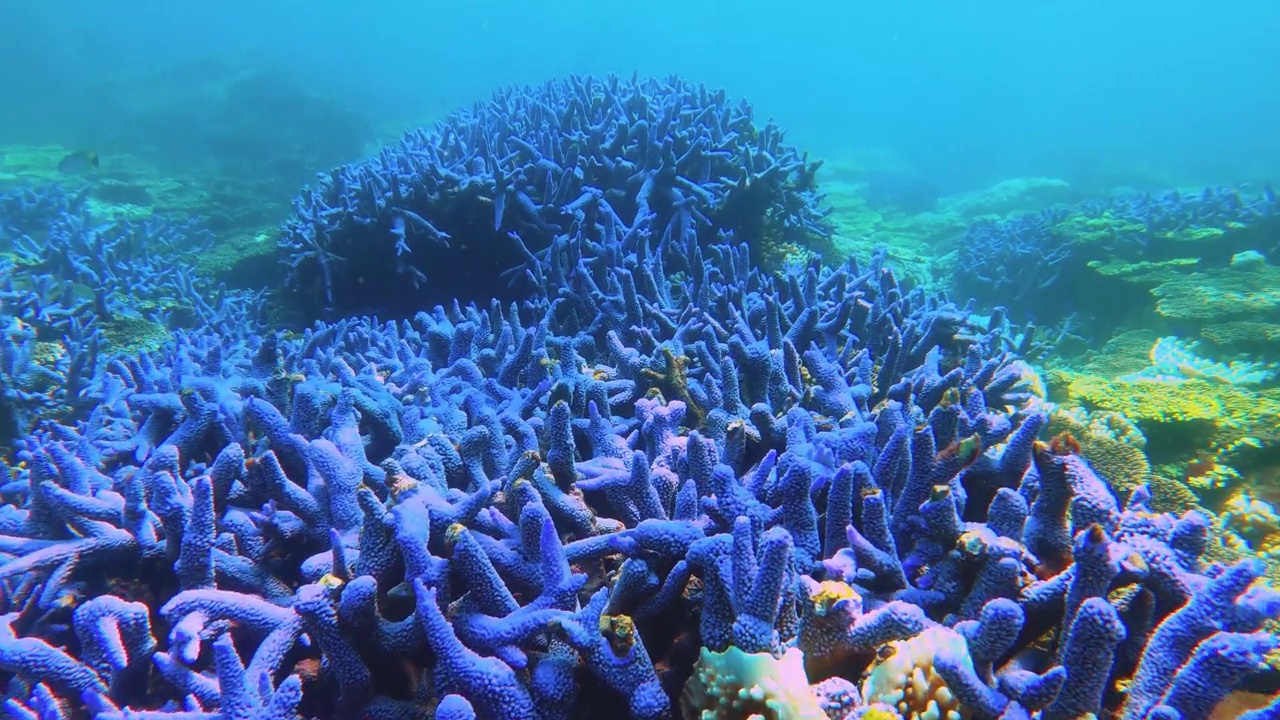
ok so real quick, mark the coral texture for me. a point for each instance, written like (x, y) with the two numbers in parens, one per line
(638, 492)
(482, 204)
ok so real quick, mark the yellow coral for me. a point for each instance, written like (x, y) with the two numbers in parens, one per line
(1229, 415)
(1201, 434)
(1252, 521)
(830, 608)
(734, 685)
(1151, 401)
(904, 678)
(830, 592)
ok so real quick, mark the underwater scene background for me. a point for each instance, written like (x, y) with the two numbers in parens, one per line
(689, 360)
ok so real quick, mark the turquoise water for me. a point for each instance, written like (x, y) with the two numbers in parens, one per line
(966, 93)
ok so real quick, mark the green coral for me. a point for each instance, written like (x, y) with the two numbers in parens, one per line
(1126, 352)
(1142, 270)
(909, 239)
(130, 334)
(1081, 228)
(239, 247)
(1235, 309)
(1101, 228)
(1010, 196)
(1244, 336)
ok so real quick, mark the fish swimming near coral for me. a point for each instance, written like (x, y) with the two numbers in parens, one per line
(78, 162)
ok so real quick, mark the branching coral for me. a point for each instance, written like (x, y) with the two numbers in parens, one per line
(76, 290)
(481, 205)
(629, 483)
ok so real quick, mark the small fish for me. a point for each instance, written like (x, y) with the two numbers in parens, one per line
(78, 162)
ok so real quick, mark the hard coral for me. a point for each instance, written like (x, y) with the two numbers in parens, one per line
(1253, 523)
(906, 679)
(77, 287)
(1113, 445)
(494, 510)
(1203, 433)
(493, 200)
(1068, 260)
(734, 685)
(1221, 294)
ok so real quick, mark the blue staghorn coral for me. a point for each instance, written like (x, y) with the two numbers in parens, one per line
(710, 494)
(74, 288)
(493, 190)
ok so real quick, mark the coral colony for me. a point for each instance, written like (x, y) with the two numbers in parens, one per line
(659, 483)
(508, 188)
(1035, 261)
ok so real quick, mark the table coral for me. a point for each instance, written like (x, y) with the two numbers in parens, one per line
(1221, 293)
(1180, 419)
(1236, 309)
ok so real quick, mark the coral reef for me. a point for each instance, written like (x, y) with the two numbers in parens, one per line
(860, 228)
(663, 483)
(913, 235)
(1191, 411)
(1114, 447)
(1252, 525)
(280, 501)
(75, 288)
(477, 207)
(1085, 259)
(1017, 195)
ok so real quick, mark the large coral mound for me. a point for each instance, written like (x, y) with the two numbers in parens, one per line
(471, 209)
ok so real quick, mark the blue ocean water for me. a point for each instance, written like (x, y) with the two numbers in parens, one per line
(712, 361)
(967, 92)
